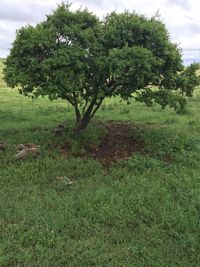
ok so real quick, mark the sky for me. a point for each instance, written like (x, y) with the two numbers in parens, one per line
(181, 17)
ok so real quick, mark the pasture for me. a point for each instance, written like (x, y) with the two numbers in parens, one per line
(65, 208)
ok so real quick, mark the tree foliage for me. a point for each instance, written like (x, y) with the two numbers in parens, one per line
(82, 59)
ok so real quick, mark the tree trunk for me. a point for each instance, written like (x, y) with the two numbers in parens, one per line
(82, 124)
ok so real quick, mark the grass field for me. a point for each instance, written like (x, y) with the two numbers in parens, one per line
(144, 211)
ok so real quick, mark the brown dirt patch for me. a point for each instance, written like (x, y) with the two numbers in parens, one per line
(119, 143)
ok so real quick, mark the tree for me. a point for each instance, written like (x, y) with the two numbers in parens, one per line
(82, 59)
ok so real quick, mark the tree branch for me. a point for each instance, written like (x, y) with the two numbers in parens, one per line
(96, 108)
(83, 110)
(69, 100)
(78, 114)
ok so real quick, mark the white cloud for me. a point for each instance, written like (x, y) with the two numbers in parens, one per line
(24, 10)
(185, 4)
(180, 16)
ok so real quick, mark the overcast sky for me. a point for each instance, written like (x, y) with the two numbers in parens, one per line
(182, 17)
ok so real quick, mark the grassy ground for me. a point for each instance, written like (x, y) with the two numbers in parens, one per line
(139, 212)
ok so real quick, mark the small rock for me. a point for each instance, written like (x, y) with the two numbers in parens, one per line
(20, 147)
(25, 153)
(59, 129)
(2, 146)
(32, 146)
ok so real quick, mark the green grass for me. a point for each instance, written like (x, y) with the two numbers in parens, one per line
(2, 83)
(139, 212)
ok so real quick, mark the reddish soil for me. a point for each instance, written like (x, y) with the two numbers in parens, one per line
(119, 143)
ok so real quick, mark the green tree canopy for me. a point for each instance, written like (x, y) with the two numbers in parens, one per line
(82, 59)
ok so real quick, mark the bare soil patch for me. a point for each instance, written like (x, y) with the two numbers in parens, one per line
(119, 143)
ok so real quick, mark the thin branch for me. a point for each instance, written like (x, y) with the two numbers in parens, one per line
(96, 108)
(83, 110)
(69, 100)
(78, 114)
